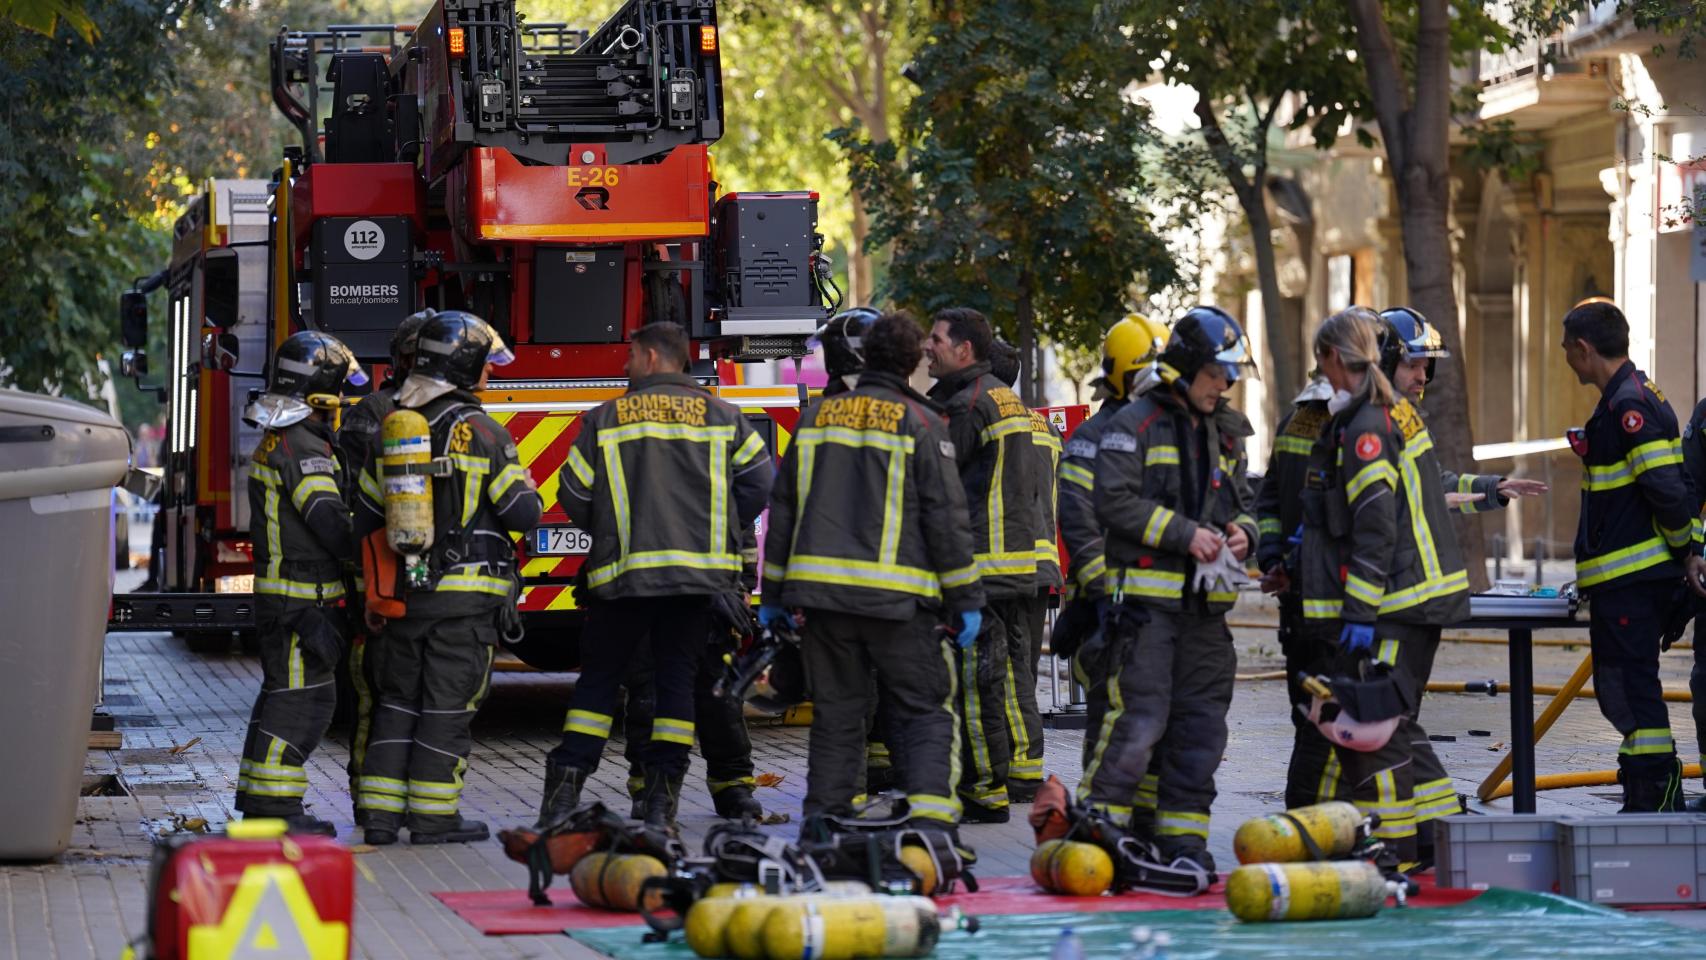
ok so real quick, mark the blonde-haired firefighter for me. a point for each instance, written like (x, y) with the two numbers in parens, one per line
(1384, 563)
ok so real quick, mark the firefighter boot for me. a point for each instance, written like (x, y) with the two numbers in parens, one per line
(1650, 785)
(737, 803)
(562, 794)
(462, 831)
(303, 823)
(661, 794)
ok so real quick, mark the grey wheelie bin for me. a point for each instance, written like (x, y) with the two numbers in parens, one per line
(59, 461)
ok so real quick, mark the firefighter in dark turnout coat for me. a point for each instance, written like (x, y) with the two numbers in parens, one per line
(1172, 496)
(990, 428)
(665, 478)
(301, 545)
(1639, 522)
(432, 666)
(874, 594)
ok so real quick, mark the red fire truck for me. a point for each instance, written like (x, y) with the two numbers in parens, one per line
(556, 182)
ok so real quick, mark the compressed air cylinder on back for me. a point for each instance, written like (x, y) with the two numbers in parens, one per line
(855, 928)
(405, 443)
(1325, 890)
(1335, 827)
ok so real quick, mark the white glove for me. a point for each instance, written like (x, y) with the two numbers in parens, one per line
(1224, 575)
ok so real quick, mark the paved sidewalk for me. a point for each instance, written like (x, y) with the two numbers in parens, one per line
(90, 902)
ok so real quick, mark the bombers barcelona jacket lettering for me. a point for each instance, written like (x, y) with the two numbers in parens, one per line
(1378, 543)
(301, 525)
(868, 516)
(990, 428)
(1158, 478)
(1639, 512)
(665, 478)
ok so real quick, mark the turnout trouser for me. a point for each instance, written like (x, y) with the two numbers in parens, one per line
(674, 631)
(719, 722)
(1624, 627)
(359, 670)
(1024, 720)
(1313, 774)
(1091, 667)
(987, 752)
(430, 675)
(300, 643)
(915, 671)
(1166, 702)
(1403, 782)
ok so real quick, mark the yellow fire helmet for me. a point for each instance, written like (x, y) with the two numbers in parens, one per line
(1130, 344)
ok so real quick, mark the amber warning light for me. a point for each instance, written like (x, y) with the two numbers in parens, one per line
(707, 39)
(458, 42)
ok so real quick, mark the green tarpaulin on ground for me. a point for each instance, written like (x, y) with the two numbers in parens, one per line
(1501, 924)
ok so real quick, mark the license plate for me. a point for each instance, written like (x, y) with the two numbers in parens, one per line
(561, 542)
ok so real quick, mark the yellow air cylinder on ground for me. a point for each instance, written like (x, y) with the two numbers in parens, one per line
(743, 931)
(406, 441)
(1334, 826)
(823, 928)
(612, 880)
(707, 920)
(1072, 868)
(1325, 890)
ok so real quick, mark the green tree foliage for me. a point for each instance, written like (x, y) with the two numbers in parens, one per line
(74, 212)
(1016, 183)
(1248, 60)
(45, 16)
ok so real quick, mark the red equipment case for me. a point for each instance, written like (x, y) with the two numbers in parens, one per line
(252, 891)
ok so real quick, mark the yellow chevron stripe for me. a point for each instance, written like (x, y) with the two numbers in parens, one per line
(562, 601)
(539, 566)
(541, 436)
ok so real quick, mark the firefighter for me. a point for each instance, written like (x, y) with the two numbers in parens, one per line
(1312, 775)
(664, 478)
(1130, 350)
(358, 445)
(1409, 349)
(1024, 720)
(875, 593)
(990, 428)
(1390, 563)
(1173, 499)
(1638, 526)
(433, 665)
(1694, 460)
(303, 541)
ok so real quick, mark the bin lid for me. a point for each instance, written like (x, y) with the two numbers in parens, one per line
(51, 445)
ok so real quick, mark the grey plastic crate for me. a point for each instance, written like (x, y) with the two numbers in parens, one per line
(1646, 858)
(1517, 851)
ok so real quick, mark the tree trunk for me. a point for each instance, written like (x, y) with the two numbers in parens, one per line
(1418, 146)
(1025, 315)
(1285, 376)
(861, 279)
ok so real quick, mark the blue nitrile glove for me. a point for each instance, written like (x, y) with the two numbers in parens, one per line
(771, 615)
(970, 623)
(1356, 638)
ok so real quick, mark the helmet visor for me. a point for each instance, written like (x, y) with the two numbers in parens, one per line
(1428, 343)
(1235, 358)
(355, 376)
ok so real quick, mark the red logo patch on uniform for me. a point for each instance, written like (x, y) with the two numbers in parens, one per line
(1368, 446)
(1633, 422)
